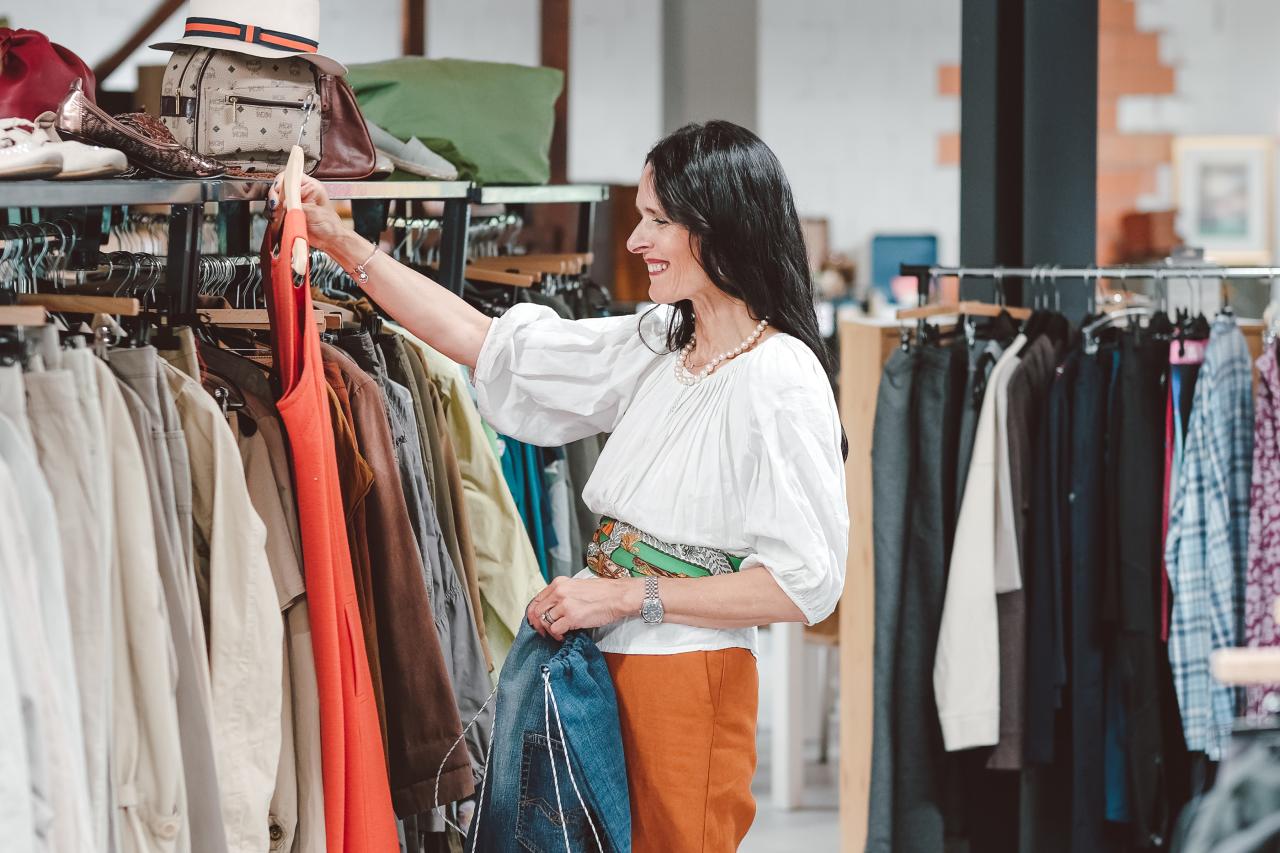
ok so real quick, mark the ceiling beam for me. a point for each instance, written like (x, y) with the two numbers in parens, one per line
(163, 11)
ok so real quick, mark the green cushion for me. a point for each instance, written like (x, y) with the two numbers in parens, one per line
(491, 120)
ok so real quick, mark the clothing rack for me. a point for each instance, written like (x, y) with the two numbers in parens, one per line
(91, 206)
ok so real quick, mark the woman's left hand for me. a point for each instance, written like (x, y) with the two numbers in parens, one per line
(572, 603)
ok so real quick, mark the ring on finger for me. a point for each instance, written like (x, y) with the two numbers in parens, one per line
(546, 617)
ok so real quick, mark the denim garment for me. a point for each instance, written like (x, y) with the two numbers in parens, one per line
(530, 801)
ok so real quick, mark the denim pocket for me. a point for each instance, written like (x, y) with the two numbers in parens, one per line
(540, 827)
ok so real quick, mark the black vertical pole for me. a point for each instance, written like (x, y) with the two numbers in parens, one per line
(453, 243)
(183, 262)
(1028, 139)
(586, 221)
(1060, 154)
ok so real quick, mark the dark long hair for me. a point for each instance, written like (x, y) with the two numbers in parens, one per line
(727, 187)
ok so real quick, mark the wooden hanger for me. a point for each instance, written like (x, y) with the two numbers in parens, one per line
(23, 315)
(1247, 666)
(969, 307)
(291, 190)
(520, 265)
(70, 303)
(258, 318)
(571, 263)
(491, 276)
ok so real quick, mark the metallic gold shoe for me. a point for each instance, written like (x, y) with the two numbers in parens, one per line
(141, 141)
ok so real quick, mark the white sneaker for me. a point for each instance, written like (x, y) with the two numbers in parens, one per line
(78, 159)
(23, 152)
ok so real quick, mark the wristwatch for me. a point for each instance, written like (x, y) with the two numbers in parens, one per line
(651, 611)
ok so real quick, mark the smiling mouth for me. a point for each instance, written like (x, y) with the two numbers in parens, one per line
(657, 268)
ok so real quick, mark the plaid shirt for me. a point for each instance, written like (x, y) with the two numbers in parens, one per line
(1207, 545)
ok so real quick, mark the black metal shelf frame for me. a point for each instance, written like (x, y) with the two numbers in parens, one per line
(370, 202)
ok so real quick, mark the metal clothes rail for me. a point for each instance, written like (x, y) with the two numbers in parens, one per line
(1115, 272)
(1196, 270)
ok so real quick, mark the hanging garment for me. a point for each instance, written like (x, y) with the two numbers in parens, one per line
(557, 775)
(966, 668)
(26, 812)
(37, 592)
(507, 569)
(1023, 401)
(1049, 550)
(1136, 570)
(523, 474)
(49, 426)
(358, 813)
(297, 808)
(1185, 360)
(63, 455)
(892, 456)
(555, 473)
(1263, 583)
(355, 478)
(149, 791)
(59, 789)
(245, 635)
(164, 447)
(919, 761)
(1207, 547)
(979, 360)
(1087, 552)
(422, 718)
(17, 805)
(448, 495)
(89, 598)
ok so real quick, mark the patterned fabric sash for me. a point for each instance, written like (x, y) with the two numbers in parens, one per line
(618, 550)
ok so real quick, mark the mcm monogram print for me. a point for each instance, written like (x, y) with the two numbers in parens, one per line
(248, 108)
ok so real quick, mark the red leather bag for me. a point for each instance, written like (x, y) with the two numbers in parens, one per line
(35, 73)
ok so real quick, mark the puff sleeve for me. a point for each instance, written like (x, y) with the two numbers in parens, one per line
(548, 381)
(796, 512)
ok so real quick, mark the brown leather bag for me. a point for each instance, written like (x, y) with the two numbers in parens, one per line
(348, 153)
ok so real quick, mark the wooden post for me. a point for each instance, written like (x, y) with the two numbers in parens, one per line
(413, 25)
(864, 348)
(555, 54)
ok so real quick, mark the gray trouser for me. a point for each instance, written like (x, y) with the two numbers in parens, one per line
(891, 458)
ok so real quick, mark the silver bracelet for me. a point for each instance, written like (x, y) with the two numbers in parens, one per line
(359, 273)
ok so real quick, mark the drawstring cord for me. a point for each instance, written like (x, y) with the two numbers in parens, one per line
(549, 700)
(549, 703)
(435, 797)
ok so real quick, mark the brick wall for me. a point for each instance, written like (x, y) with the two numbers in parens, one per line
(1129, 163)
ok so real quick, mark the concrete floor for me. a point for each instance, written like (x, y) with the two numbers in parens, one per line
(813, 829)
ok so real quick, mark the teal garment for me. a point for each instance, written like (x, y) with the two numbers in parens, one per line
(491, 120)
(522, 467)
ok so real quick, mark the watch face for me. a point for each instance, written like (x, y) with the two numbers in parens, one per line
(651, 612)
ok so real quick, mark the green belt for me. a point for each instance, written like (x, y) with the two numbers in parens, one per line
(619, 550)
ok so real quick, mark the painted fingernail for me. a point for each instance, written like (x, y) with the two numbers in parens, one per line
(272, 204)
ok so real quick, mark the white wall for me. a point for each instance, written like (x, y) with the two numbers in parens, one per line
(848, 100)
(615, 88)
(491, 30)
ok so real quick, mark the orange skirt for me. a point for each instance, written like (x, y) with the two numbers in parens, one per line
(689, 736)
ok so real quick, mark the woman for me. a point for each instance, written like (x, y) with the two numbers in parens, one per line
(722, 483)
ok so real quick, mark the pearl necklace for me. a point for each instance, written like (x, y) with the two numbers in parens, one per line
(685, 376)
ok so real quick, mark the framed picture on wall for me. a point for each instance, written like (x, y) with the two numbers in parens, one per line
(1223, 189)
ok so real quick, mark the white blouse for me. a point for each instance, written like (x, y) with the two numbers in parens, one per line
(746, 461)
